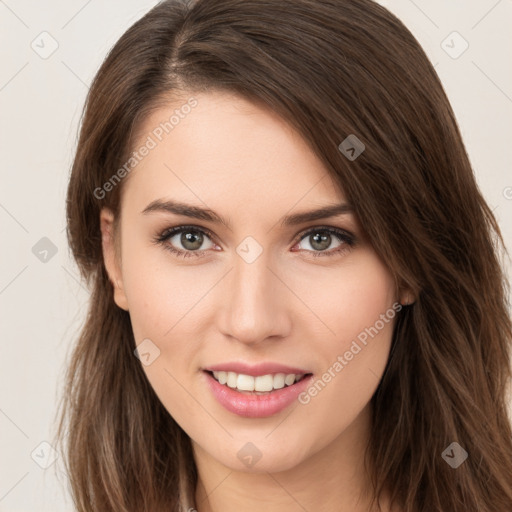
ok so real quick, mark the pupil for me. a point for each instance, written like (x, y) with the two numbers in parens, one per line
(191, 240)
(321, 242)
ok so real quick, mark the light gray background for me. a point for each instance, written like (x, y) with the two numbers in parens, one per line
(42, 304)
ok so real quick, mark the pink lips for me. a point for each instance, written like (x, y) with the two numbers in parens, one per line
(256, 406)
(256, 369)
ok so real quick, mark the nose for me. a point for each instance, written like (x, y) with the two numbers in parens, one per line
(254, 303)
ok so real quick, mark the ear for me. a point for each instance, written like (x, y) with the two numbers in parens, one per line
(111, 257)
(407, 297)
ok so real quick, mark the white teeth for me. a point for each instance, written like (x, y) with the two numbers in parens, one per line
(263, 383)
(232, 378)
(259, 384)
(289, 379)
(245, 382)
(279, 380)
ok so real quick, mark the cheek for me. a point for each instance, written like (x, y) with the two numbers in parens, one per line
(343, 301)
(358, 306)
(160, 297)
(165, 302)
(368, 293)
(160, 292)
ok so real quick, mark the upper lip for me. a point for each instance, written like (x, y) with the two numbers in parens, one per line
(256, 370)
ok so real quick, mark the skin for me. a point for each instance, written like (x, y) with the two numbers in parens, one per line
(249, 166)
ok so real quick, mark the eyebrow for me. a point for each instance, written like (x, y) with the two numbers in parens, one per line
(196, 212)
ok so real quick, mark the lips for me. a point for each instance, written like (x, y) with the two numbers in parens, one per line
(240, 395)
(256, 370)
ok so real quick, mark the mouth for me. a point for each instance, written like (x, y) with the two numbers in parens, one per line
(257, 385)
(256, 404)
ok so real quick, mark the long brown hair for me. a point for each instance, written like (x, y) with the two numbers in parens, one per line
(331, 68)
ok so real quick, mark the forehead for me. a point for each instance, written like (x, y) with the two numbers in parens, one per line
(229, 153)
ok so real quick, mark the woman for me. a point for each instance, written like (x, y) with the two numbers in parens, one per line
(297, 302)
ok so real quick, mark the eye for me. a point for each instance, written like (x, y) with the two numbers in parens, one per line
(187, 241)
(320, 239)
(190, 238)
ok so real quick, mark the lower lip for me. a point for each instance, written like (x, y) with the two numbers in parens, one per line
(256, 406)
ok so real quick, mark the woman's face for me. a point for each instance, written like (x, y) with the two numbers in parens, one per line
(268, 290)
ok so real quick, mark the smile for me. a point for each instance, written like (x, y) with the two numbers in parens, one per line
(257, 396)
(262, 384)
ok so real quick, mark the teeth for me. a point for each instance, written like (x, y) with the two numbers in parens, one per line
(289, 379)
(261, 384)
(245, 382)
(279, 380)
(231, 382)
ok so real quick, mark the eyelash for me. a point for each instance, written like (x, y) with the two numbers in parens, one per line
(345, 237)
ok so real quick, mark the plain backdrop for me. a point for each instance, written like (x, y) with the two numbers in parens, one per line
(50, 52)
